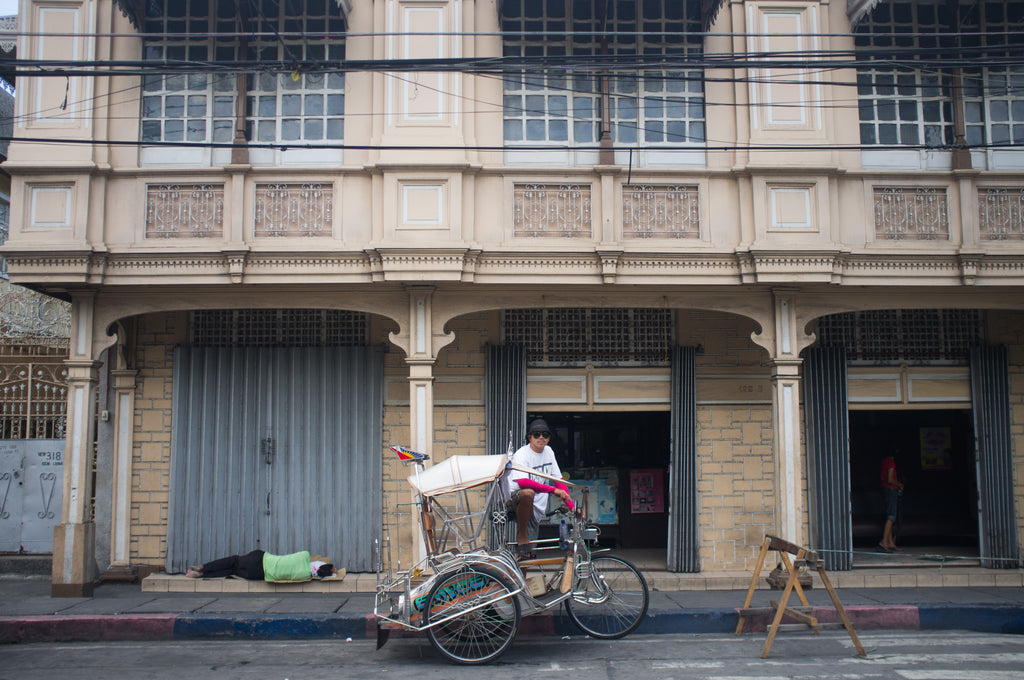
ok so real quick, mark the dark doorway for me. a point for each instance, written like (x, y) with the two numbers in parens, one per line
(623, 459)
(934, 452)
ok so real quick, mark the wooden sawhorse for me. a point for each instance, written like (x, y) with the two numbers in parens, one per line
(803, 558)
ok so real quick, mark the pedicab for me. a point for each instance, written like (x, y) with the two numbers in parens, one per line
(469, 593)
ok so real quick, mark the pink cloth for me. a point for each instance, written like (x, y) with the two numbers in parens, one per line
(527, 483)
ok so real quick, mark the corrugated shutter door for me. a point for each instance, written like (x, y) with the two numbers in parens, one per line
(683, 530)
(990, 397)
(826, 414)
(504, 409)
(277, 449)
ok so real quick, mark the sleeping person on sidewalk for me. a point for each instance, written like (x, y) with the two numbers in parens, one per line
(263, 566)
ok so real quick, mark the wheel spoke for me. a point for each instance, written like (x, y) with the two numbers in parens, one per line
(612, 601)
(481, 622)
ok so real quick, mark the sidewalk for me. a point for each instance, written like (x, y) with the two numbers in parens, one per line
(173, 607)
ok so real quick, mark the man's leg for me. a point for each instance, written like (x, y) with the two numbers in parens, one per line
(887, 541)
(225, 566)
(524, 513)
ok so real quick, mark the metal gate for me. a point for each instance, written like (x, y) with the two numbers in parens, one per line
(276, 449)
(826, 413)
(683, 529)
(990, 397)
(31, 493)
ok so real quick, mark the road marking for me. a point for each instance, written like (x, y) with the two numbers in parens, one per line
(960, 675)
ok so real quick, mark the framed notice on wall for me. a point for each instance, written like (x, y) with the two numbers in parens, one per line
(646, 491)
(936, 448)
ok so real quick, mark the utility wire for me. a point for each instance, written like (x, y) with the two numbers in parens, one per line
(284, 146)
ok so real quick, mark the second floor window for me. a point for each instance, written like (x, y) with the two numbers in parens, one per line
(907, 105)
(560, 104)
(282, 105)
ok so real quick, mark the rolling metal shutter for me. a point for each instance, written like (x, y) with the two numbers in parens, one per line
(826, 414)
(276, 449)
(990, 396)
(683, 530)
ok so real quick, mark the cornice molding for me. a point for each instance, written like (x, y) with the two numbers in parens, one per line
(473, 265)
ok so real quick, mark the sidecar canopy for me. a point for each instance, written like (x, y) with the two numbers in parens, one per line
(457, 473)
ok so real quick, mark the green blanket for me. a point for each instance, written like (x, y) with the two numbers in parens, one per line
(287, 568)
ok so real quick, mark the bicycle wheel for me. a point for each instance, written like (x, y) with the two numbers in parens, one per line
(479, 618)
(611, 601)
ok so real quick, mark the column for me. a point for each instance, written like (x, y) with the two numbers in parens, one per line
(420, 359)
(790, 339)
(124, 440)
(73, 570)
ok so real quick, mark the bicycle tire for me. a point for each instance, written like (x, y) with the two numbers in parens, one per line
(478, 636)
(611, 600)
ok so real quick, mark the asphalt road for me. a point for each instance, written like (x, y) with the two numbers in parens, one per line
(942, 655)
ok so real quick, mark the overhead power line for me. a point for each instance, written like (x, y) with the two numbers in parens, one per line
(511, 64)
(285, 146)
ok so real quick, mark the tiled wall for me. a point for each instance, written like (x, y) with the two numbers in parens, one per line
(157, 335)
(735, 484)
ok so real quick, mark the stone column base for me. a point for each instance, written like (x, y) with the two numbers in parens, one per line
(73, 564)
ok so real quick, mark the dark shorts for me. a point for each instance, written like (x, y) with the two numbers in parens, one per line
(533, 528)
(892, 501)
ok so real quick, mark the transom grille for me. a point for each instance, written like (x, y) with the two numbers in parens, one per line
(905, 335)
(277, 328)
(602, 337)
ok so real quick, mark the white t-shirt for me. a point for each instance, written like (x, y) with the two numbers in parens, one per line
(544, 462)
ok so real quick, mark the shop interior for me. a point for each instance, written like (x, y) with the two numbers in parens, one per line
(935, 460)
(622, 458)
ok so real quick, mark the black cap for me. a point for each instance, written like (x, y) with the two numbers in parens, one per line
(538, 425)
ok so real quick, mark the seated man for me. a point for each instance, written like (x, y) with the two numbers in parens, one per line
(530, 492)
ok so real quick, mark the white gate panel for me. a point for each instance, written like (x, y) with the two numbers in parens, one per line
(31, 493)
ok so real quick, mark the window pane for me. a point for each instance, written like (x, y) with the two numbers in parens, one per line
(291, 129)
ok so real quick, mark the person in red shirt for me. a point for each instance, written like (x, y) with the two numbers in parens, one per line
(892, 487)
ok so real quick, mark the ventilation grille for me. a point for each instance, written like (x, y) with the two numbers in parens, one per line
(278, 328)
(905, 335)
(602, 337)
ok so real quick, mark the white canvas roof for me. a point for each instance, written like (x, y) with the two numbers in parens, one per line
(457, 473)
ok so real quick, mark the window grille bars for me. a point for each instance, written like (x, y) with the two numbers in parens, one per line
(660, 211)
(278, 328)
(905, 335)
(184, 210)
(911, 213)
(33, 400)
(598, 336)
(294, 209)
(560, 210)
(1001, 213)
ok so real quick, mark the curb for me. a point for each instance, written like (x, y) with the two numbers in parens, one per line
(982, 618)
(87, 628)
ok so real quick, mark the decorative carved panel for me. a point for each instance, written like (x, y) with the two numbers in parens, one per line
(184, 210)
(911, 213)
(559, 210)
(1001, 213)
(660, 211)
(31, 318)
(294, 210)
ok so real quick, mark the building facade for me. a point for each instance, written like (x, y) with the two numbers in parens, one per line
(732, 252)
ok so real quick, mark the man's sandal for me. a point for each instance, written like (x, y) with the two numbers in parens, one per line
(525, 552)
